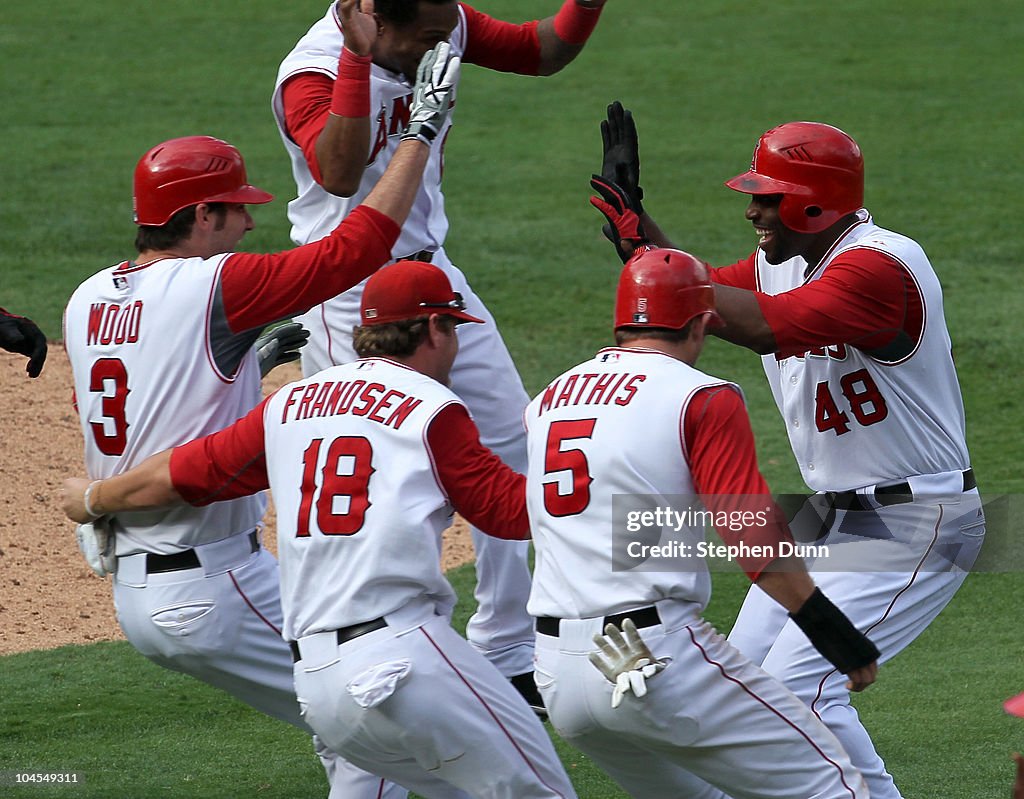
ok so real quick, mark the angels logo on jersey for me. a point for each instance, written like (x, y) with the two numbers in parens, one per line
(390, 124)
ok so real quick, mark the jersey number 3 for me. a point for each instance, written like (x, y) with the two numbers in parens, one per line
(343, 495)
(109, 378)
(559, 458)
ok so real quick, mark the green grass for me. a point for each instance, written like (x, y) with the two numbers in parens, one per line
(929, 89)
(132, 729)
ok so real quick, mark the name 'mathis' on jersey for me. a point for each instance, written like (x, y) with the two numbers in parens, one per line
(600, 430)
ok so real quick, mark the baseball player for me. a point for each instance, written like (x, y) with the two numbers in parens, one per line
(848, 319)
(161, 350)
(21, 335)
(638, 421)
(339, 145)
(366, 462)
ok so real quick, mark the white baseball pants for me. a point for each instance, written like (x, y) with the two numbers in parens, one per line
(891, 571)
(711, 718)
(221, 624)
(414, 702)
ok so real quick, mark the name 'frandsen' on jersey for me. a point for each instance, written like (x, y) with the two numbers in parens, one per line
(375, 401)
(590, 389)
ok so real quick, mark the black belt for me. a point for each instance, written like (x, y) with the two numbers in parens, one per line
(642, 617)
(423, 255)
(188, 559)
(886, 495)
(344, 634)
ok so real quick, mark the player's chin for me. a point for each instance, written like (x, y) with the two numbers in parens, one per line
(769, 253)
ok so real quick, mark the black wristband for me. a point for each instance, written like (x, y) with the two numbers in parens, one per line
(833, 635)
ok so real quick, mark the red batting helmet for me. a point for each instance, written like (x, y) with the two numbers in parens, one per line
(817, 169)
(664, 288)
(188, 171)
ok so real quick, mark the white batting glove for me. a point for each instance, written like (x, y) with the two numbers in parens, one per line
(436, 79)
(624, 659)
(96, 543)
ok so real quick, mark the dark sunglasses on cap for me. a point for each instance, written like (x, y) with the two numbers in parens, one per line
(455, 304)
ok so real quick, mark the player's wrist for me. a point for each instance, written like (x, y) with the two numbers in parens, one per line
(91, 499)
(576, 20)
(351, 94)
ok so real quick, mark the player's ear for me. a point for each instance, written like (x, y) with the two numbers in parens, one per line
(698, 328)
(435, 331)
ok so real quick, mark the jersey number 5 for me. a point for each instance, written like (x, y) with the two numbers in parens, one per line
(343, 496)
(558, 458)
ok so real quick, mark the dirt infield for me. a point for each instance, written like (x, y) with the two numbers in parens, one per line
(48, 596)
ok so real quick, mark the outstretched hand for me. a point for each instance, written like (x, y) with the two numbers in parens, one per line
(624, 228)
(621, 163)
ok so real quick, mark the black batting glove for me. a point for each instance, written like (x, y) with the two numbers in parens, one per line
(622, 154)
(624, 228)
(280, 345)
(23, 336)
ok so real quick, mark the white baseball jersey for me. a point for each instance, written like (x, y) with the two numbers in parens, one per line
(616, 425)
(856, 419)
(361, 509)
(315, 212)
(147, 379)
(484, 375)
(612, 425)
(359, 505)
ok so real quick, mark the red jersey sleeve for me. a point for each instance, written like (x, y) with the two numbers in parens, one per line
(258, 289)
(865, 299)
(720, 449)
(306, 98)
(478, 483)
(741, 275)
(501, 46)
(228, 464)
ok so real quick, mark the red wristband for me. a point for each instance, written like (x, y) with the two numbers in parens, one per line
(351, 95)
(574, 23)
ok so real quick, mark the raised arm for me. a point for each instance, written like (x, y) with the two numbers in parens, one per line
(258, 289)
(330, 119)
(563, 35)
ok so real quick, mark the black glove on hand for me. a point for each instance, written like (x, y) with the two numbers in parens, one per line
(23, 336)
(280, 345)
(624, 228)
(833, 635)
(622, 154)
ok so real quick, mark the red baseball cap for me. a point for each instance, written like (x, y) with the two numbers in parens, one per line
(408, 290)
(1015, 706)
